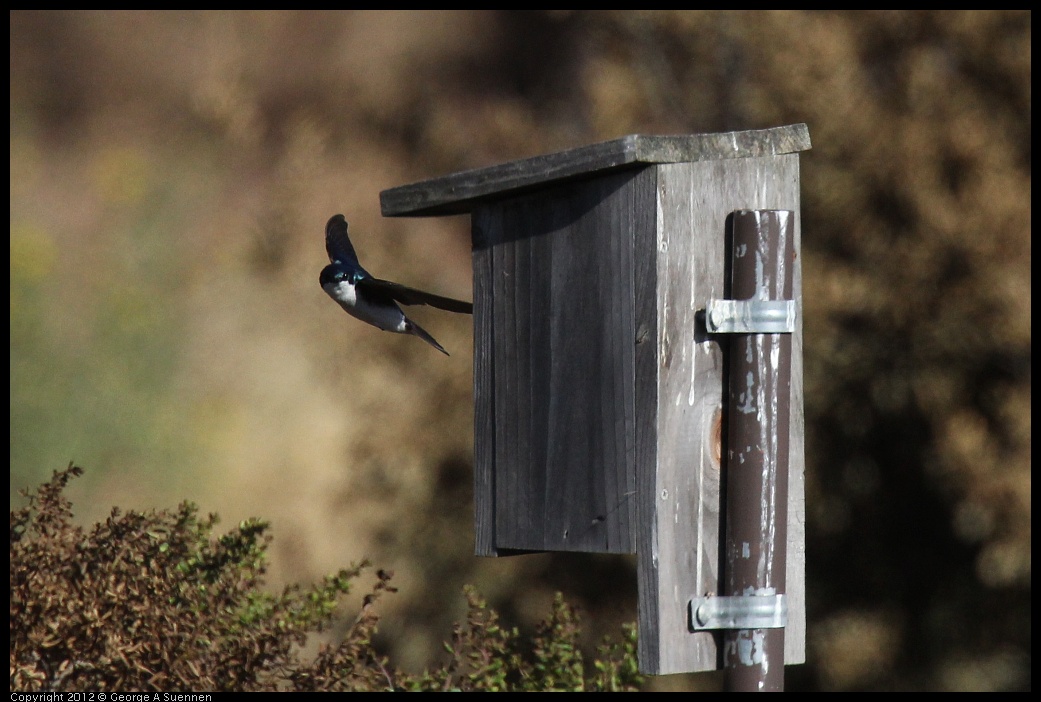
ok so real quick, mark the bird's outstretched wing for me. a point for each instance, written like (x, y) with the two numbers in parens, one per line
(410, 296)
(337, 245)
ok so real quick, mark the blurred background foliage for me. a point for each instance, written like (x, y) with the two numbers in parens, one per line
(171, 174)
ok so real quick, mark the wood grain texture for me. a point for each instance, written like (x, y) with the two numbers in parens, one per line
(484, 387)
(459, 192)
(598, 402)
(679, 504)
(561, 391)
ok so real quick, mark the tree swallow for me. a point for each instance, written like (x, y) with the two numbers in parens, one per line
(370, 299)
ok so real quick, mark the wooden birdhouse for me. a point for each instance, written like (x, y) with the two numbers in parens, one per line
(600, 391)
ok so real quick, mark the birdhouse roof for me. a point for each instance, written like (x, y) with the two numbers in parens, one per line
(459, 193)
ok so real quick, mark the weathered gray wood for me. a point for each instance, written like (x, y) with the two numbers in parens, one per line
(561, 392)
(598, 402)
(678, 494)
(458, 193)
(484, 394)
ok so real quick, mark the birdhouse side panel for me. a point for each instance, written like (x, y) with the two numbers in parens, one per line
(558, 382)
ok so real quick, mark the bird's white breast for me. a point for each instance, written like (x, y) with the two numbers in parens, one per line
(386, 317)
(343, 292)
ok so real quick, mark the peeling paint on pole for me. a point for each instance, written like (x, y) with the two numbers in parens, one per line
(757, 465)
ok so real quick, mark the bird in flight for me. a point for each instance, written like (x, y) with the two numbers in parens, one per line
(373, 300)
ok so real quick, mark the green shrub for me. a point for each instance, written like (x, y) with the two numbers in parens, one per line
(153, 601)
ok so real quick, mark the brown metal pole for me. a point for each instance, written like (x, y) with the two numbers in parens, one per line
(757, 455)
